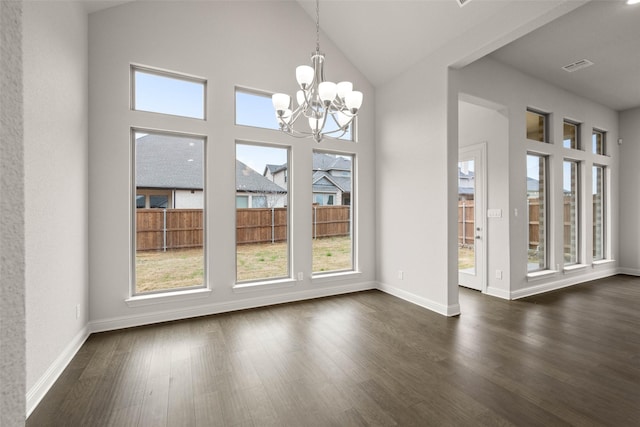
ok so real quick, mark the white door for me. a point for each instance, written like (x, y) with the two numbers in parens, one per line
(471, 217)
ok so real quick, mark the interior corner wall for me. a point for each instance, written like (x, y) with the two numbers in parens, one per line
(228, 44)
(412, 186)
(490, 80)
(12, 262)
(55, 133)
(629, 184)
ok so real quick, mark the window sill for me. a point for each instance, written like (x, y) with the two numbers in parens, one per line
(263, 285)
(166, 297)
(332, 277)
(574, 267)
(540, 274)
(594, 264)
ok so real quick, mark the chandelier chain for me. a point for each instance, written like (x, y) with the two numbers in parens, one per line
(317, 25)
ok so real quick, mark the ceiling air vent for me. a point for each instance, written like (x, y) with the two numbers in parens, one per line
(578, 65)
(463, 2)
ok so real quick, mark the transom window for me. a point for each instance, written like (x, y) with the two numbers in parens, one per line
(571, 135)
(537, 126)
(598, 141)
(167, 93)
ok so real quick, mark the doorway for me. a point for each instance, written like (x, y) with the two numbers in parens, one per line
(471, 219)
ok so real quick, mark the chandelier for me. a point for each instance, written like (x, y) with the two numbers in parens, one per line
(327, 108)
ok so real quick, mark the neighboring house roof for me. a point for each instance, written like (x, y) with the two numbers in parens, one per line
(328, 162)
(323, 181)
(533, 185)
(164, 161)
(251, 181)
(274, 168)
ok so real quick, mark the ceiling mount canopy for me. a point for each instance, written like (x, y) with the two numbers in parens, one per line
(324, 107)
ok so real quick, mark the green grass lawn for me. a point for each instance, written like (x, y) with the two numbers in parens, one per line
(157, 270)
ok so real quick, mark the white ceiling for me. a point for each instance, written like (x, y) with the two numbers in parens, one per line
(383, 38)
(604, 32)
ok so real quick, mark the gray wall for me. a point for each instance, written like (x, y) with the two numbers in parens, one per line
(629, 184)
(56, 131)
(251, 44)
(12, 262)
(498, 84)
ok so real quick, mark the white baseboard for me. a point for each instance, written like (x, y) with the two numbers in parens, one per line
(563, 283)
(629, 271)
(451, 310)
(102, 325)
(46, 381)
(499, 293)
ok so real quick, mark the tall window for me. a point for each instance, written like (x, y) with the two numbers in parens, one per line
(571, 190)
(168, 211)
(598, 142)
(536, 126)
(537, 201)
(262, 214)
(571, 135)
(332, 212)
(599, 212)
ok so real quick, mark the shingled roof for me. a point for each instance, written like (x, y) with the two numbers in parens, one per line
(167, 161)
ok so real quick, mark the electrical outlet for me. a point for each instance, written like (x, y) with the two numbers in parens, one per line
(498, 274)
(300, 276)
(77, 311)
(400, 274)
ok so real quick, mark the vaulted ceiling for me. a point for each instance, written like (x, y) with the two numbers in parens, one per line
(383, 38)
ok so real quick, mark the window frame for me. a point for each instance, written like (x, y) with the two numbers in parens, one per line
(603, 135)
(545, 129)
(604, 214)
(578, 127)
(547, 217)
(352, 215)
(133, 68)
(243, 285)
(577, 216)
(133, 192)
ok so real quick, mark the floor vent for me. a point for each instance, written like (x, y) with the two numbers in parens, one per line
(578, 65)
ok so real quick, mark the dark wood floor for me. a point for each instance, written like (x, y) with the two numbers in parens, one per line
(570, 357)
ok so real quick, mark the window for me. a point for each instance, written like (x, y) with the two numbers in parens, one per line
(571, 135)
(168, 93)
(332, 213)
(598, 141)
(571, 190)
(168, 231)
(536, 126)
(599, 212)
(262, 214)
(255, 109)
(537, 201)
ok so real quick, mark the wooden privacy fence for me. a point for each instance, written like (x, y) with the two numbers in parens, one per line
(466, 224)
(162, 229)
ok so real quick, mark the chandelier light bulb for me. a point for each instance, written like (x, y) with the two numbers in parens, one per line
(281, 101)
(304, 76)
(300, 97)
(344, 88)
(353, 101)
(327, 92)
(314, 124)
